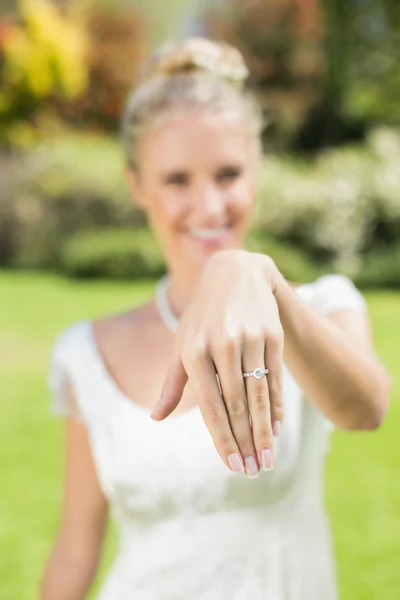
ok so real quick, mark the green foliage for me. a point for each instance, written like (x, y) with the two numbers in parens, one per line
(380, 269)
(75, 64)
(338, 206)
(324, 71)
(112, 254)
(70, 185)
(328, 213)
(43, 58)
(292, 261)
(115, 40)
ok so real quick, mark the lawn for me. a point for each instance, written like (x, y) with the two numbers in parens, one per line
(363, 483)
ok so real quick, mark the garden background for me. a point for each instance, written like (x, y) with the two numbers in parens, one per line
(73, 245)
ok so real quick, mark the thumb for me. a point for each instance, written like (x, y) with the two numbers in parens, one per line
(172, 390)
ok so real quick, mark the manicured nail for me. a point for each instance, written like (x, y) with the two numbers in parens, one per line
(267, 460)
(251, 467)
(235, 463)
(277, 428)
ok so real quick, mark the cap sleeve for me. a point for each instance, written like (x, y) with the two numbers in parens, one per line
(61, 376)
(334, 292)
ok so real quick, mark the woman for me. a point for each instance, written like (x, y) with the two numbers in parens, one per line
(221, 499)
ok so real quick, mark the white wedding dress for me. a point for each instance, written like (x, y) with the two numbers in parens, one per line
(189, 529)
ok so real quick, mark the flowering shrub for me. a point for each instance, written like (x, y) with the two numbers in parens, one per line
(336, 207)
(77, 64)
(42, 56)
(340, 212)
(115, 39)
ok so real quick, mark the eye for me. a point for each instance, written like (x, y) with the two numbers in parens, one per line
(179, 179)
(228, 174)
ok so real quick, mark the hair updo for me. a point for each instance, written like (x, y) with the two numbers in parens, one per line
(194, 74)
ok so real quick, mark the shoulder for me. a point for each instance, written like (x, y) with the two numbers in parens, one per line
(70, 352)
(70, 341)
(67, 362)
(332, 292)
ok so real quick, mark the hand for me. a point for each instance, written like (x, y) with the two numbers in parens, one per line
(232, 326)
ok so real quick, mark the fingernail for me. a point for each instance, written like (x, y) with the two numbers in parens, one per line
(267, 460)
(235, 463)
(251, 467)
(277, 428)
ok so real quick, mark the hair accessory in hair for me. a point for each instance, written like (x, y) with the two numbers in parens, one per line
(197, 54)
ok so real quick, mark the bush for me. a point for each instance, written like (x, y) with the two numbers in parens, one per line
(72, 184)
(292, 261)
(42, 59)
(338, 206)
(75, 63)
(127, 254)
(381, 269)
(329, 213)
(115, 46)
(113, 254)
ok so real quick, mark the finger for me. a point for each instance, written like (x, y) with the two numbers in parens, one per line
(213, 410)
(228, 362)
(259, 404)
(172, 389)
(274, 362)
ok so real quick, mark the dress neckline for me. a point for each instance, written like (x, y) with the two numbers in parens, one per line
(116, 389)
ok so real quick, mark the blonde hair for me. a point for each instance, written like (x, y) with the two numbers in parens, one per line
(195, 74)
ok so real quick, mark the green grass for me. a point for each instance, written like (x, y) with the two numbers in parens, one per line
(363, 483)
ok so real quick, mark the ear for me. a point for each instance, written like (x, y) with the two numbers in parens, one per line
(133, 182)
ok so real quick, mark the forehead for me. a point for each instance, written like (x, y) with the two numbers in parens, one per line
(190, 140)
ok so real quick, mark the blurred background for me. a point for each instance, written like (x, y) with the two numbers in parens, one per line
(73, 245)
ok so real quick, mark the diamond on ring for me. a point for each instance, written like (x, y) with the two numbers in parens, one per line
(257, 373)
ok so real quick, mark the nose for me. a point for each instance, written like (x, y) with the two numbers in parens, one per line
(209, 203)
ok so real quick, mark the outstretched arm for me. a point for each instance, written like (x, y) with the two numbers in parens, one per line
(334, 362)
(246, 316)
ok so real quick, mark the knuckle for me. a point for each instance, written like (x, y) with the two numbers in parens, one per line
(260, 396)
(226, 345)
(252, 338)
(235, 407)
(275, 381)
(267, 443)
(275, 337)
(213, 413)
(278, 412)
(245, 443)
(197, 354)
(226, 446)
(265, 437)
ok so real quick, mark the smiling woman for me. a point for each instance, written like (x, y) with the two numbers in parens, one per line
(197, 135)
(245, 405)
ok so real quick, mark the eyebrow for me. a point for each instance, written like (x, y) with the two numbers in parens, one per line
(174, 172)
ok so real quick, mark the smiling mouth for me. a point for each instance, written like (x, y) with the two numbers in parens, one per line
(209, 234)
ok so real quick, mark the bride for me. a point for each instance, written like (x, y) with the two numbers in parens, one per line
(202, 418)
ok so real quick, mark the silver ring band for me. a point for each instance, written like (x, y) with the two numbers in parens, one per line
(257, 373)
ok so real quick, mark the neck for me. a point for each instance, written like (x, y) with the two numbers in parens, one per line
(181, 288)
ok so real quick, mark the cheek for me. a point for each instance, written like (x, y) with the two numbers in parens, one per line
(242, 198)
(167, 207)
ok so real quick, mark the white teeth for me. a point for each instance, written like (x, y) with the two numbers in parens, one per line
(207, 234)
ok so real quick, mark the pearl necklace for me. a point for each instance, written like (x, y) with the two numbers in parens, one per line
(170, 321)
